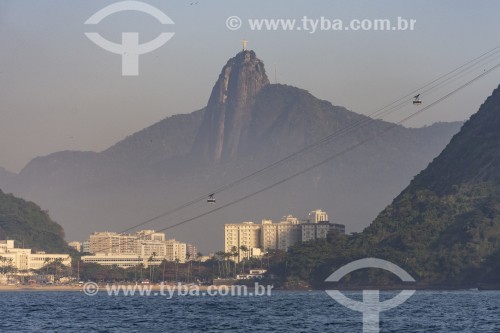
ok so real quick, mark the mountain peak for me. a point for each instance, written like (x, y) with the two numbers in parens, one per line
(229, 107)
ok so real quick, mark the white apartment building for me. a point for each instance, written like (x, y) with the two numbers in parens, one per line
(316, 216)
(121, 260)
(24, 259)
(126, 250)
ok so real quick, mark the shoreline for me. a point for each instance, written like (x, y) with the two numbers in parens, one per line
(102, 287)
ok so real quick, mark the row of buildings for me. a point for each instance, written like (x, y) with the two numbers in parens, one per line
(145, 247)
(259, 238)
(26, 259)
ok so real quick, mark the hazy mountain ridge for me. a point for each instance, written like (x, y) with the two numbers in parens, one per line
(6, 176)
(159, 168)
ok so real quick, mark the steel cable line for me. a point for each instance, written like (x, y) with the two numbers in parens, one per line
(366, 120)
(392, 126)
(343, 131)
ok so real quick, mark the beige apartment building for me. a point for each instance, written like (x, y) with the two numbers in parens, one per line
(242, 234)
(281, 235)
(277, 236)
(112, 242)
(176, 251)
(288, 231)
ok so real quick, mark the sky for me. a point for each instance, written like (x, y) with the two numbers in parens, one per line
(60, 91)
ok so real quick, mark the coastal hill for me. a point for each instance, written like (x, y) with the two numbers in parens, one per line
(444, 228)
(29, 226)
(248, 123)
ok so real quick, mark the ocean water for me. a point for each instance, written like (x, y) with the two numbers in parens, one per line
(283, 311)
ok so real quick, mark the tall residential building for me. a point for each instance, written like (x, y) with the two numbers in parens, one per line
(281, 235)
(289, 232)
(242, 234)
(175, 250)
(277, 236)
(112, 242)
(316, 216)
(152, 248)
(191, 252)
(312, 231)
(268, 235)
(86, 247)
(151, 235)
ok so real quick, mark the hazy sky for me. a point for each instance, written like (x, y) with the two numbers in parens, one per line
(59, 91)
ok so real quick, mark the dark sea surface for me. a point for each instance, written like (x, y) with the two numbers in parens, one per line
(283, 311)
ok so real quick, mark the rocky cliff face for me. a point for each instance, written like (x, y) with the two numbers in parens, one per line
(228, 113)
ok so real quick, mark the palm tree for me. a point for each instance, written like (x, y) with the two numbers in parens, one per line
(189, 266)
(141, 266)
(57, 264)
(244, 248)
(177, 269)
(153, 256)
(3, 260)
(151, 266)
(220, 255)
(46, 264)
(198, 257)
(235, 253)
(164, 265)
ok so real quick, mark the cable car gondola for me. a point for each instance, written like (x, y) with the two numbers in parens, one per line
(416, 100)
